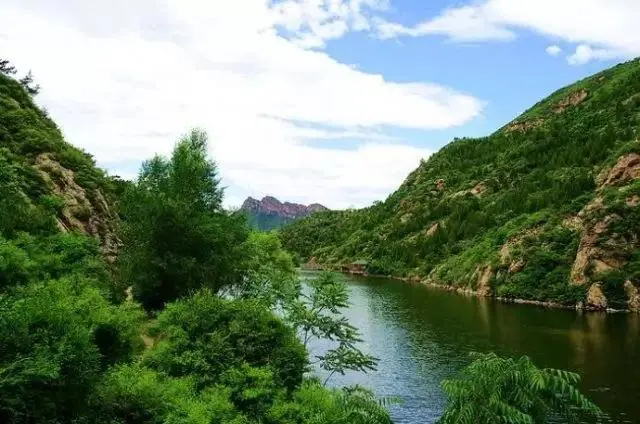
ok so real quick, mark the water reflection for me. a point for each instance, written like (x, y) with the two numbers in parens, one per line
(423, 335)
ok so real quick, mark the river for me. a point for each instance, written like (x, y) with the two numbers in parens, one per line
(423, 335)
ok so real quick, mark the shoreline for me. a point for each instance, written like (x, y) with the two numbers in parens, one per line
(470, 292)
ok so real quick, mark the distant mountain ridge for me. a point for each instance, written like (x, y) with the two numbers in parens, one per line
(270, 213)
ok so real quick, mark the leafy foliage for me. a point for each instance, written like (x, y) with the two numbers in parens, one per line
(317, 314)
(135, 395)
(203, 336)
(271, 274)
(312, 403)
(57, 337)
(495, 390)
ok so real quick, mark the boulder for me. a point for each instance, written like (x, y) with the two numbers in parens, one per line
(596, 298)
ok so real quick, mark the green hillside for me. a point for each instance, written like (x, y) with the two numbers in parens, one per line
(544, 209)
(47, 185)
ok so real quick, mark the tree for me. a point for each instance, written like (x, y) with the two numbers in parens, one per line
(317, 314)
(6, 67)
(494, 389)
(177, 238)
(27, 83)
(271, 276)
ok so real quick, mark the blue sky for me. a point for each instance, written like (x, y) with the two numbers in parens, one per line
(509, 76)
(330, 101)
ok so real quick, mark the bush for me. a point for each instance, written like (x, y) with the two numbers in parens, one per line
(136, 395)
(203, 336)
(52, 349)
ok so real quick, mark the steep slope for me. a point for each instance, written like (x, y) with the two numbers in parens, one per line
(546, 208)
(57, 186)
(269, 213)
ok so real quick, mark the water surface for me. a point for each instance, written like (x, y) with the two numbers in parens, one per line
(423, 335)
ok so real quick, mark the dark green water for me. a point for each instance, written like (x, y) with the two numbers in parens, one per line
(423, 335)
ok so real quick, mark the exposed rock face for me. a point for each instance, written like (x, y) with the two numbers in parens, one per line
(573, 222)
(596, 298)
(517, 266)
(483, 287)
(312, 264)
(633, 294)
(626, 169)
(524, 125)
(88, 213)
(593, 259)
(572, 99)
(270, 213)
(271, 206)
(432, 230)
(477, 190)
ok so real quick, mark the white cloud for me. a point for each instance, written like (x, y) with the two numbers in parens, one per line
(610, 24)
(125, 79)
(313, 22)
(553, 50)
(585, 54)
(466, 23)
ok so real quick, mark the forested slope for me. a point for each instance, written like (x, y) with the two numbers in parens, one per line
(48, 184)
(544, 209)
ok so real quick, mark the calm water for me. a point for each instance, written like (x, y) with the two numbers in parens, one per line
(423, 335)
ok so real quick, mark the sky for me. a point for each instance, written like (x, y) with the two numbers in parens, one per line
(328, 101)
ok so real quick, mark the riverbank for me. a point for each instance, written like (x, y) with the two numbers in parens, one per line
(315, 266)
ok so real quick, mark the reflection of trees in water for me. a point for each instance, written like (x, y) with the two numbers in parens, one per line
(439, 328)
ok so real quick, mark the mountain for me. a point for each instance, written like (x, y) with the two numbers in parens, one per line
(46, 184)
(545, 209)
(269, 213)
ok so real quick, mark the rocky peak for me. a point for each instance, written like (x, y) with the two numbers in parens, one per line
(269, 205)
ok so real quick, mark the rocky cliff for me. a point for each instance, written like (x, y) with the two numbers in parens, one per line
(270, 213)
(546, 209)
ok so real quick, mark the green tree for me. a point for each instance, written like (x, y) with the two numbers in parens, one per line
(177, 238)
(316, 313)
(6, 67)
(28, 84)
(271, 275)
(505, 390)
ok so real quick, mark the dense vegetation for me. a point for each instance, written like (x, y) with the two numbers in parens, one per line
(182, 326)
(266, 222)
(542, 209)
